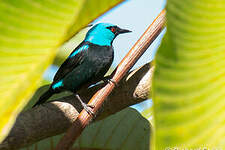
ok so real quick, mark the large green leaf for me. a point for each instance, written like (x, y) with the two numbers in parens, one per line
(95, 8)
(69, 46)
(125, 130)
(31, 31)
(189, 79)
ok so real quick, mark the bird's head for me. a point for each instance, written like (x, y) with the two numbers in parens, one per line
(103, 34)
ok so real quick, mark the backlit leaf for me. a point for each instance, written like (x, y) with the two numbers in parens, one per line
(31, 32)
(189, 79)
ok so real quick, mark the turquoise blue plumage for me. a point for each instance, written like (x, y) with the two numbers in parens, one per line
(88, 62)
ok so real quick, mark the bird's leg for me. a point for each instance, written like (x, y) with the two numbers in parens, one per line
(87, 107)
(108, 79)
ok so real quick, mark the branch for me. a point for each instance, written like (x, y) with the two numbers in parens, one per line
(56, 117)
(126, 64)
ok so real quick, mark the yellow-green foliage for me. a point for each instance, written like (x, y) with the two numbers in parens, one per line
(189, 80)
(31, 32)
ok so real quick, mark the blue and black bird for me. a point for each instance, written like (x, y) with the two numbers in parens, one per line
(87, 64)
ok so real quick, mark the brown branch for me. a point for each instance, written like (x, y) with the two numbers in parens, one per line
(56, 117)
(97, 100)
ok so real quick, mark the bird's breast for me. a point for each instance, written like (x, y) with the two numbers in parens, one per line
(101, 54)
(100, 59)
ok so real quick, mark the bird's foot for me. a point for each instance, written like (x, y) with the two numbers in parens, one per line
(87, 107)
(91, 106)
(109, 80)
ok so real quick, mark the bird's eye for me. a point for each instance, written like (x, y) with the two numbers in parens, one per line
(113, 29)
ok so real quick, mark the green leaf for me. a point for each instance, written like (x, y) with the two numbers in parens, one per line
(125, 130)
(69, 46)
(31, 32)
(95, 9)
(189, 79)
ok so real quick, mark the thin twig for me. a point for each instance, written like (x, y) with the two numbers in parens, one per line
(126, 64)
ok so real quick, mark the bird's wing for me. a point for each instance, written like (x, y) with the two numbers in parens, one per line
(74, 59)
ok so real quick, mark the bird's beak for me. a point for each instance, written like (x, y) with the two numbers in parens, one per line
(120, 31)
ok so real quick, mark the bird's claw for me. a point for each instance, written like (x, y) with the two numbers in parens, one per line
(91, 106)
(108, 80)
(88, 108)
(112, 81)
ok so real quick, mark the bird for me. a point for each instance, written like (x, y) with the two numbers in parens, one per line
(87, 64)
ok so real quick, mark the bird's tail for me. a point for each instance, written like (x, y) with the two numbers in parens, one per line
(44, 97)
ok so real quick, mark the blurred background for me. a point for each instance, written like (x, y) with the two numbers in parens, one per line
(125, 17)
